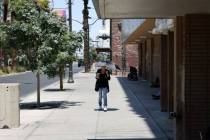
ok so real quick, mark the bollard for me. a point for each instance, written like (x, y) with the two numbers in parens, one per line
(9, 105)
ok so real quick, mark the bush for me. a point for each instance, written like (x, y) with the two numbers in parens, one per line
(20, 69)
(1, 72)
(6, 70)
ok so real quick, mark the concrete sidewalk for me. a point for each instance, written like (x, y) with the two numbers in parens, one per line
(72, 115)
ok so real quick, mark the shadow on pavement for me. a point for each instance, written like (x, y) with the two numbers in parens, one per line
(141, 92)
(128, 139)
(56, 90)
(108, 109)
(49, 105)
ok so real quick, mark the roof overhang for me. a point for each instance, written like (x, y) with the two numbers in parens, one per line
(142, 32)
(110, 9)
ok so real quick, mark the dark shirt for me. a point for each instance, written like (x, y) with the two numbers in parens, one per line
(103, 81)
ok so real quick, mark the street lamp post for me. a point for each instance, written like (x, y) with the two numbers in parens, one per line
(70, 79)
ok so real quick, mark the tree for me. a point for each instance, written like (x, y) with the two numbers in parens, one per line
(43, 37)
(44, 4)
(65, 47)
(86, 36)
(5, 10)
(24, 32)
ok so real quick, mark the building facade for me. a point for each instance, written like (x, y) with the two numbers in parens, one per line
(122, 55)
(179, 58)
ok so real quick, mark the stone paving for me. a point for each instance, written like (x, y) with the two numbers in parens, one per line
(72, 114)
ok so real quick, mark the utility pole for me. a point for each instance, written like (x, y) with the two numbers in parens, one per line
(86, 34)
(70, 79)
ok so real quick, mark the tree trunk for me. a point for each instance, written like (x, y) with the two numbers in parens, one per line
(61, 77)
(86, 36)
(14, 61)
(5, 6)
(38, 88)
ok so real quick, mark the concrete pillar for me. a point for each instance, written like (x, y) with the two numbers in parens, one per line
(9, 105)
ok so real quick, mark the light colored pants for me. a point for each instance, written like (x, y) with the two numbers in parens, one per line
(103, 96)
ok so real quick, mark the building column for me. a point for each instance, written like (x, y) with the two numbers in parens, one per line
(152, 60)
(170, 71)
(179, 78)
(144, 52)
(192, 77)
(197, 75)
(140, 59)
(149, 59)
(156, 60)
(163, 74)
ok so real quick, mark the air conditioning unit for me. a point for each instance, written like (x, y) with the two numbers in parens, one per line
(9, 105)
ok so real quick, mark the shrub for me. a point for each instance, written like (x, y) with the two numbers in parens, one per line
(1, 72)
(6, 70)
(20, 69)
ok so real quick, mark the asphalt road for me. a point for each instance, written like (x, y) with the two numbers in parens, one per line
(28, 81)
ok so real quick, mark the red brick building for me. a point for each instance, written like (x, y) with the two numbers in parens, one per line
(132, 55)
(116, 42)
(120, 52)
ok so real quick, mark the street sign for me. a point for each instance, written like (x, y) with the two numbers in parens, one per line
(61, 13)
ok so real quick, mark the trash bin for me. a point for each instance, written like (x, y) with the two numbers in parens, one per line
(9, 105)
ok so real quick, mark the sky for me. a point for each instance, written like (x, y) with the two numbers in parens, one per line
(77, 8)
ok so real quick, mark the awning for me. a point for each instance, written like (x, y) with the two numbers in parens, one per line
(109, 9)
(142, 32)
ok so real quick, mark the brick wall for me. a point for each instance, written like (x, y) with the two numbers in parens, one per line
(197, 75)
(131, 50)
(116, 43)
(132, 56)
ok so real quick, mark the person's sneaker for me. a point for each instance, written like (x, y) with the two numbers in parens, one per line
(100, 108)
(105, 108)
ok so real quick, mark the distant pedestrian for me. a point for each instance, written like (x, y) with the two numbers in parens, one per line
(102, 85)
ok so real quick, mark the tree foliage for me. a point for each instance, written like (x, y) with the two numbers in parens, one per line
(41, 35)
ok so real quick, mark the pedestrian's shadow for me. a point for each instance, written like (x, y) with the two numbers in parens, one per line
(108, 109)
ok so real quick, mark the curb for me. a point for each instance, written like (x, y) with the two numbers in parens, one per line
(14, 74)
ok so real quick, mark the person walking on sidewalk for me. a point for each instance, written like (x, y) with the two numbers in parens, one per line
(102, 85)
